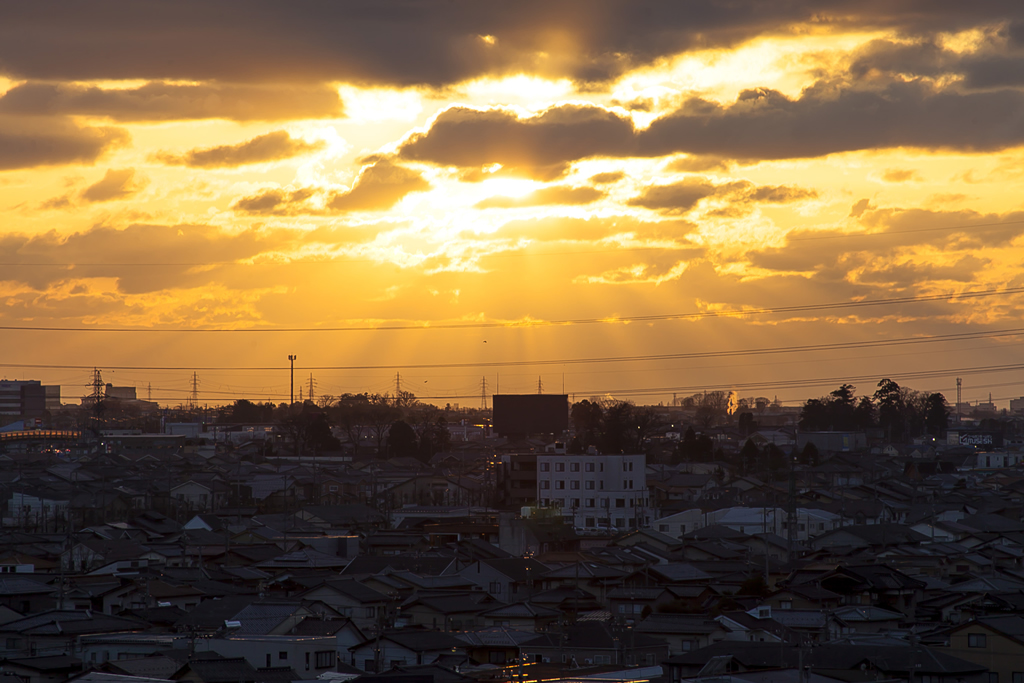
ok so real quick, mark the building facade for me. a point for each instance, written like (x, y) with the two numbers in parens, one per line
(595, 492)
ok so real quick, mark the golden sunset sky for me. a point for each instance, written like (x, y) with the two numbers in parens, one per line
(512, 191)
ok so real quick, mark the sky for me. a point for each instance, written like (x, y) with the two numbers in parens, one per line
(636, 200)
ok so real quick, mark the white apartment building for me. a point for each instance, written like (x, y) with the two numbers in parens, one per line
(595, 491)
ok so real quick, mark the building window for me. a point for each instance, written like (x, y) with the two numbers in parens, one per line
(976, 640)
(559, 467)
(600, 467)
(559, 484)
(590, 502)
(589, 522)
(545, 467)
(620, 502)
(574, 485)
(282, 655)
(575, 502)
(574, 467)
(663, 528)
(625, 467)
(545, 484)
(785, 604)
(495, 587)
(543, 502)
(589, 467)
(324, 659)
(590, 486)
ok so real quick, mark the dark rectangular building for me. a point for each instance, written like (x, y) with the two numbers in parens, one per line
(520, 415)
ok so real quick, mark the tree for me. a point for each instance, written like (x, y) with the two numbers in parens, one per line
(749, 455)
(712, 407)
(434, 438)
(379, 416)
(891, 408)
(402, 441)
(587, 418)
(809, 456)
(746, 424)
(695, 448)
(936, 414)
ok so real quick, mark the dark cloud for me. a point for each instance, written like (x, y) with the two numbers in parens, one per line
(276, 202)
(761, 124)
(778, 194)
(262, 148)
(405, 43)
(765, 124)
(682, 196)
(607, 177)
(378, 186)
(697, 164)
(165, 102)
(116, 184)
(471, 138)
(907, 274)
(558, 194)
(675, 198)
(28, 143)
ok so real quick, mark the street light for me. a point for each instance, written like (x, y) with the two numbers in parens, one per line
(292, 358)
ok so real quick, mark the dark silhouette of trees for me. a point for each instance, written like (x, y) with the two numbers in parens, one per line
(695, 448)
(936, 414)
(434, 438)
(746, 424)
(839, 411)
(402, 441)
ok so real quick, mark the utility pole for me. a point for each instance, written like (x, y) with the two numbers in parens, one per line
(291, 359)
(959, 386)
(149, 391)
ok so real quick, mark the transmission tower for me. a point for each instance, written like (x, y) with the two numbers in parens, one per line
(193, 397)
(312, 385)
(398, 388)
(483, 393)
(97, 386)
(540, 386)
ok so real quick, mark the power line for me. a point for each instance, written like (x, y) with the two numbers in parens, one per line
(840, 305)
(805, 348)
(745, 386)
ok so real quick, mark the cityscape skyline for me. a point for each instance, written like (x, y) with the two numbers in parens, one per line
(621, 201)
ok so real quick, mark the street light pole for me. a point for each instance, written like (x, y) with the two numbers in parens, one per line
(291, 359)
